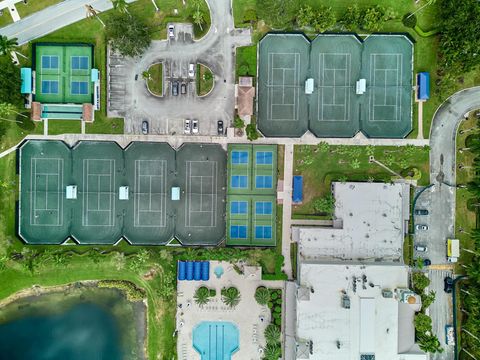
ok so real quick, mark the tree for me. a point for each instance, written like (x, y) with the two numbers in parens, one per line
(252, 133)
(423, 323)
(128, 34)
(231, 296)
(420, 282)
(355, 163)
(7, 45)
(429, 343)
(324, 19)
(277, 13)
(373, 18)
(262, 295)
(428, 299)
(202, 296)
(198, 18)
(272, 352)
(7, 109)
(238, 123)
(10, 82)
(324, 205)
(272, 334)
(352, 17)
(120, 5)
(306, 16)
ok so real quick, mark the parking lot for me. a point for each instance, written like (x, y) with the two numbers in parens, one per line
(131, 99)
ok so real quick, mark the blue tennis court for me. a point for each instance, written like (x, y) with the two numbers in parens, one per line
(79, 87)
(263, 208)
(239, 157)
(239, 181)
(263, 182)
(216, 340)
(50, 86)
(49, 62)
(264, 157)
(238, 207)
(263, 232)
(238, 231)
(80, 62)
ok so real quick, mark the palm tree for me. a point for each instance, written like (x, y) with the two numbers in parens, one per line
(91, 12)
(231, 296)
(202, 296)
(272, 334)
(262, 295)
(198, 18)
(271, 352)
(120, 5)
(7, 45)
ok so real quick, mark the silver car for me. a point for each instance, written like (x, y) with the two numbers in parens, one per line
(187, 128)
(194, 126)
(421, 227)
(171, 31)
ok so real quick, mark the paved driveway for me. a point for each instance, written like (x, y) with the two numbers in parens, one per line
(166, 115)
(440, 200)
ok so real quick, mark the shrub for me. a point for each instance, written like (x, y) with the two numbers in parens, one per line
(274, 295)
(272, 334)
(278, 321)
(409, 20)
(270, 304)
(202, 295)
(231, 296)
(132, 291)
(212, 292)
(238, 123)
(252, 133)
(262, 295)
(277, 309)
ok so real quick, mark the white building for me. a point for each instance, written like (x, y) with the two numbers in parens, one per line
(355, 312)
(370, 223)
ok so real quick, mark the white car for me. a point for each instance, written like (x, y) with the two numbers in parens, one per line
(421, 227)
(191, 70)
(187, 128)
(194, 126)
(171, 31)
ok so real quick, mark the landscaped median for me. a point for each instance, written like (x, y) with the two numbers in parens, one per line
(154, 78)
(204, 79)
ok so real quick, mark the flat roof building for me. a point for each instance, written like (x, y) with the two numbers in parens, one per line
(370, 222)
(355, 312)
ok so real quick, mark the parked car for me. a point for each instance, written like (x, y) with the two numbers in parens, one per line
(427, 262)
(187, 128)
(194, 126)
(183, 89)
(448, 284)
(220, 127)
(421, 227)
(171, 31)
(175, 88)
(421, 212)
(144, 127)
(421, 248)
(191, 70)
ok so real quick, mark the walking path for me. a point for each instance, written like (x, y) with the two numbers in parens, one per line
(287, 209)
(307, 222)
(52, 18)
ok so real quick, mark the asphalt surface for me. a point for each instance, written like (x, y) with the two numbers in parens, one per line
(52, 18)
(216, 50)
(440, 202)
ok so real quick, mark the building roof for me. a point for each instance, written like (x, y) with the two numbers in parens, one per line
(245, 81)
(423, 81)
(245, 95)
(369, 225)
(372, 325)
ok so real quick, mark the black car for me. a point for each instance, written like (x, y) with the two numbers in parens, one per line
(220, 127)
(175, 88)
(183, 89)
(427, 262)
(421, 212)
(448, 284)
(144, 127)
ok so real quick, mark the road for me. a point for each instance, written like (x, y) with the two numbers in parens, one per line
(52, 18)
(131, 99)
(440, 201)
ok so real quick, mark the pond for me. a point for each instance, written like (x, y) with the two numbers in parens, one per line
(76, 323)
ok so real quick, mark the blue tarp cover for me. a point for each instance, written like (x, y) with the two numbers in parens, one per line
(26, 75)
(297, 195)
(423, 81)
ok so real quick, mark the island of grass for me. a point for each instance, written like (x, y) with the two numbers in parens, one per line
(204, 80)
(154, 78)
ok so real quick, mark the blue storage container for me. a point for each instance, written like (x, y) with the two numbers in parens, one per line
(197, 270)
(297, 195)
(181, 270)
(206, 270)
(189, 270)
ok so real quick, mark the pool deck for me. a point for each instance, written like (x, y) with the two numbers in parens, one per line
(251, 327)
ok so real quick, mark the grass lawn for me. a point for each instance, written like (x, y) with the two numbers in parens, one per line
(104, 125)
(465, 218)
(155, 80)
(246, 62)
(34, 6)
(15, 132)
(240, 9)
(204, 80)
(6, 18)
(57, 127)
(323, 164)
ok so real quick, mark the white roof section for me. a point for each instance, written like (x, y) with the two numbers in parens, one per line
(175, 193)
(71, 192)
(123, 193)
(309, 86)
(361, 86)
(370, 326)
(369, 225)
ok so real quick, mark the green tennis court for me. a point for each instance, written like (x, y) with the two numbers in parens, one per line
(63, 73)
(251, 200)
(98, 193)
(322, 78)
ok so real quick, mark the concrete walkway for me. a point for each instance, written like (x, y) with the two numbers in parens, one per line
(307, 222)
(52, 18)
(287, 209)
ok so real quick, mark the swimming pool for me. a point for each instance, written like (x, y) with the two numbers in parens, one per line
(216, 340)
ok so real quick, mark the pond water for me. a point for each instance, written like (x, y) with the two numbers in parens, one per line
(85, 324)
